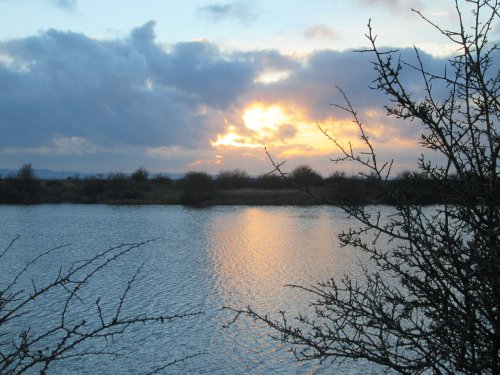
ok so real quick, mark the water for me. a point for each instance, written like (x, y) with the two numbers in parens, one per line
(201, 259)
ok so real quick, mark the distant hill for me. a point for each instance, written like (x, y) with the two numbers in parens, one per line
(47, 174)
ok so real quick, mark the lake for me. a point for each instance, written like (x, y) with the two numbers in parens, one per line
(200, 259)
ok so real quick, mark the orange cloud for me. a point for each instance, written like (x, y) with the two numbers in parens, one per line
(260, 125)
(232, 139)
(280, 126)
(289, 133)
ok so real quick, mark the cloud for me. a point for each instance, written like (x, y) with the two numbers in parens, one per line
(68, 5)
(64, 4)
(313, 83)
(129, 100)
(115, 92)
(242, 11)
(395, 6)
(58, 146)
(320, 32)
(121, 96)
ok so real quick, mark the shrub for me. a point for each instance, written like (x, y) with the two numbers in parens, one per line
(140, 175)
(197, 188)
(235, 179)
(305, 176)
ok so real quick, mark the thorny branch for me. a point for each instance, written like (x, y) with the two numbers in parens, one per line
(432, 305)
(25, 350)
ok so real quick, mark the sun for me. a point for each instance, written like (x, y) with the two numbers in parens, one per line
(264, 119)
(279, 127)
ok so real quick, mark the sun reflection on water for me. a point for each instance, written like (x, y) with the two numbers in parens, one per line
(260, 251)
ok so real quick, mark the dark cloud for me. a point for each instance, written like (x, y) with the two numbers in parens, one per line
(313, 87)
(114, 92)
(313, 84)
(268, 59)
(200, 69)
(67, 95)
(242, 11)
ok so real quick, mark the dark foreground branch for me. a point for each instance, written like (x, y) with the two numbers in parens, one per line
(70, 333)
(427, 299)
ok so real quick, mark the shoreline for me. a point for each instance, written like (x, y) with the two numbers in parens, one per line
(122, 190)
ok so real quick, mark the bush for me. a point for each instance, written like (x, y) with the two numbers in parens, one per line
(24, 186)
(270, 181)
(197, 188)
(235, 179)
(162, 180)
(92, 188)
(140, 175)
(304, 176)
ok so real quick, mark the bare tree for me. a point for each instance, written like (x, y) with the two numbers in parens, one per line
(432, 301)
(66, 335)
(26, 184)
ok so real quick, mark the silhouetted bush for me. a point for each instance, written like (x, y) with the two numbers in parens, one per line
(270, 181)
(8, 192)
(162, 180)
(305, 176)
(23, 187)
(133, 194)
(197, 188)
(405, 175)
(234, 179)
(29, 183)
(92, 188)
(335, 176)
(53, 184)
(118, 180)
(52, 191)
(140, 175)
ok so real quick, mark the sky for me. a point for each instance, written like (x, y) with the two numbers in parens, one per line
(172, 86)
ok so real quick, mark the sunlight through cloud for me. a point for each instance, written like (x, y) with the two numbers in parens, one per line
(264, 119)
(232, 138)
(272, 77)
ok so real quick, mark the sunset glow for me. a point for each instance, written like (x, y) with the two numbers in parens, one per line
(287, 133)
(261, 122)
(232, 138)
(169, 90)
(264, 120)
